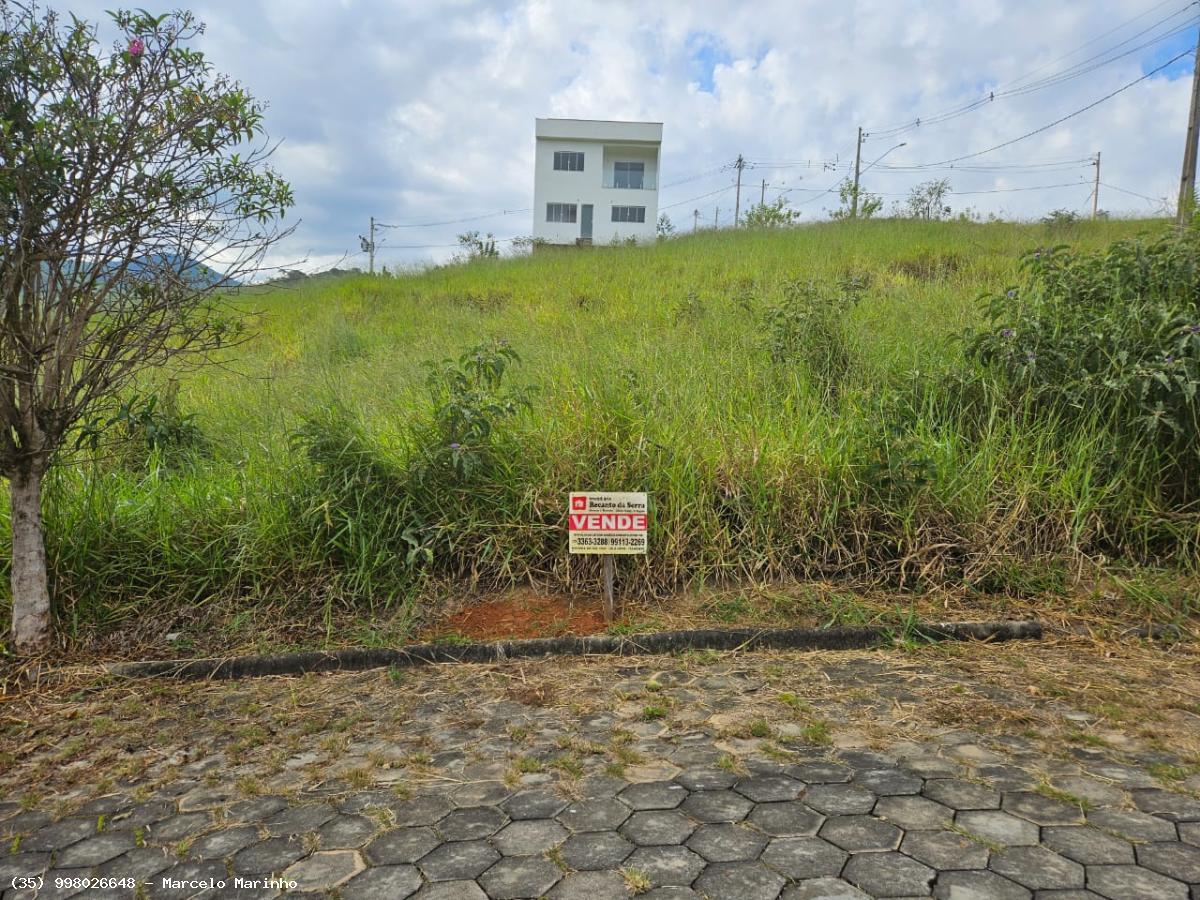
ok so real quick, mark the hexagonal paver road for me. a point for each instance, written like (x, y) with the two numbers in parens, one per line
(693, 814)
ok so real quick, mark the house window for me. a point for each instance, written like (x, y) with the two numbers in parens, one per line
(629, 214)
(629, 174)
(568, 161)
(560, 212)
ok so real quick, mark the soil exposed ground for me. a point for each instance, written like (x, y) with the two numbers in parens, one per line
(1065, 764)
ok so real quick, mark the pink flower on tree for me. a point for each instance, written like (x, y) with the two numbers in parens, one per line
(136, 48)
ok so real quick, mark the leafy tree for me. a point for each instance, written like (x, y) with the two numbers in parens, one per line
(928, 200)
(665, 227)
(134, 189)
(526, 243)
(1061, 220)
(476, 246)
(771, 215)
(868, 203)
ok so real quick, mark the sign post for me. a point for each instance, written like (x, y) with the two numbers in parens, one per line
(609, 524)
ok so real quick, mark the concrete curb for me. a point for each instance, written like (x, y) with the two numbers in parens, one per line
(356, 659)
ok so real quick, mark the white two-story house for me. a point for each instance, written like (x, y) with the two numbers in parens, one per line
(595, 181)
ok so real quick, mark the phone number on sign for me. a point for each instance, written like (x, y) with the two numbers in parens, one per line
(36, 882)
(608, 540)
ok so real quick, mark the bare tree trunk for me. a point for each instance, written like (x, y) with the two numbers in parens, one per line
(30, 588)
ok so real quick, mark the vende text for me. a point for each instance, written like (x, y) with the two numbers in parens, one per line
(608, 522)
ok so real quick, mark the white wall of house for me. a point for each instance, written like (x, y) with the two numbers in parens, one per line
(607, 147)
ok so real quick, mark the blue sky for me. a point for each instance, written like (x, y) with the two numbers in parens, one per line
(706, 54)
(423, 112)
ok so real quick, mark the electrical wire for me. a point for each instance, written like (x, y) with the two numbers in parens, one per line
(1133, 193)
(1075, 71)
(1153, 9)
(1001, 168)
(722, 168)
(723, 190)
(1059, 121)
(502, 212)
(507, 240)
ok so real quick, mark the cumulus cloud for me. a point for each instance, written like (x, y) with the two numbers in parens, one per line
(423, 112)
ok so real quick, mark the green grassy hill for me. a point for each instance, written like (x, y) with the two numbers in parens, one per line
(314, 470)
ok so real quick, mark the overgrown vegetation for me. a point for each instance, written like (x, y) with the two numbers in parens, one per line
(771, 215)
(856, 202)
(928, 200)
(832, 402)
(1108, 341)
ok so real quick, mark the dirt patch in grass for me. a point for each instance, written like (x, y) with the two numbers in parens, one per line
(1103, 607)
(928, 266)
(521, 615)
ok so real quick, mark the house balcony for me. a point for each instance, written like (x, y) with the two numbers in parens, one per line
(645, 184)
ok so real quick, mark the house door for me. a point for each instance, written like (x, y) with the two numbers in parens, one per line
(585, 222)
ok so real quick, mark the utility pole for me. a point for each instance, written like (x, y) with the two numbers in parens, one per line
(716, 218)
(857, 164)
(695, 220)
(1187, 182)
(1096, 190)
(368, 247)
(762, 200)
(737, 209)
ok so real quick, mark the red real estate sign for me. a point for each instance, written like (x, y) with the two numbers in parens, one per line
(607, 522)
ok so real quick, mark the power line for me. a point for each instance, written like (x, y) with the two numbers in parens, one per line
(999, 168)
(721, 168)
(502, 212)
(1075, 71)
(1038, 187)
(507, 240)
(1160, 200)
(1190, 50)
(1082, 68)
(723, 190)
(1155, 8)
(823, 165)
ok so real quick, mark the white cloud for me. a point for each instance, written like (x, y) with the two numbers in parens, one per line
(309, 162)
(424, 112)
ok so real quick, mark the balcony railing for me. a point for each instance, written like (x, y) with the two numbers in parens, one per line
(646, 184)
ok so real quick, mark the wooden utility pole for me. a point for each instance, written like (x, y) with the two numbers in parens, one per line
(737, 204)
(1096, 190)
(857, 164)
(368, 247)
(1187, 181)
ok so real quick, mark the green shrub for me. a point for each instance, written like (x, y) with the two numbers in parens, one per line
(690, 309)
(1061, 220)
(808, 327)
(355, 505)
(145, 427)
(469, 404)
(1112, 336)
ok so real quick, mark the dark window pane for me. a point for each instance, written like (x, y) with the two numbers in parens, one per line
(629, 174)
(568, 161)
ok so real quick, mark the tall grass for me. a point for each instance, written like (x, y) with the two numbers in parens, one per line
(653, 369)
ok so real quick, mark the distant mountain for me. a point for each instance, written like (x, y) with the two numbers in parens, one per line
(196, 273)
(295, 276)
